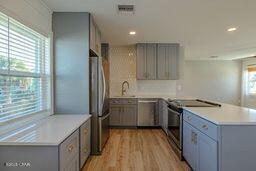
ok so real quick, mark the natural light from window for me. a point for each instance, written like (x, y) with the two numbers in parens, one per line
(24, 71)
(252, 80)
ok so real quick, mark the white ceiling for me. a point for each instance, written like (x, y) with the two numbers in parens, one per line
(199, 25)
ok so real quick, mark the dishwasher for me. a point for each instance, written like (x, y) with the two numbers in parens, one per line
(148, 112)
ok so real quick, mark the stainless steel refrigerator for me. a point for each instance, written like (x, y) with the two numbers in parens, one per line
(99, 104)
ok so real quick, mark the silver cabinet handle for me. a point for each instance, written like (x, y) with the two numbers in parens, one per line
(189, 118)
(195, 138)
(205, 127)
(192, 136)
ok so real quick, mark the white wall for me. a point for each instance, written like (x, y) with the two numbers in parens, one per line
(212, 80)
(32, 13)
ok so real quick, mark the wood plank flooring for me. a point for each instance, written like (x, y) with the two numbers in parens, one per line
(136, 150)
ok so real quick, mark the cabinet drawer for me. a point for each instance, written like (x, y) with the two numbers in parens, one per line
(208, 128)
(123, 101)
(85, 142)
(203, 125)
(69, 148)
(190, 118)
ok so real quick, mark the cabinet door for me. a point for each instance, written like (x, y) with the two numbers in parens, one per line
(189, 145)
(165, 116)
(141, 62)
(92, 34)
(85, 142)
(161, 113)
(151, 61)
(72, 165)
(162, 62)
(206, 153)
(98, 41)
(129, 115)
(173, 61)
(115, 119)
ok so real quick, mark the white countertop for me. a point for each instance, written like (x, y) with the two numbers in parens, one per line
(49, 131)
(226, 114)
(141, 96)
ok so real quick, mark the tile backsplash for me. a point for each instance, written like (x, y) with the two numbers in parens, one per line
(123, 68)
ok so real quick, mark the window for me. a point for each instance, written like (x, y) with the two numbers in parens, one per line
(24, 71)
(251, 79)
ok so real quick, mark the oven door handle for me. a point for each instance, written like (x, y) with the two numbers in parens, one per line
(177, 113)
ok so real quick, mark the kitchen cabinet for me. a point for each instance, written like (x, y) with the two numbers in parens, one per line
(115, 115)
(167, 61)
(85, 142)
(163, 115)
(56, 149)
(206, 153)
(95, 38)
(157, 61)
(128, 115)
(123, 112)
(105, 51)
(69, 153)
(146, 61)
(199, 148)
(189, 146)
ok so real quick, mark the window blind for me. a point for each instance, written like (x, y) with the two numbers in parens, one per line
(24, 71)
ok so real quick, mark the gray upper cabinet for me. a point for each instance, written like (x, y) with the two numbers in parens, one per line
(167, 61)
(146, 61)
(157, 61)
(95, 38)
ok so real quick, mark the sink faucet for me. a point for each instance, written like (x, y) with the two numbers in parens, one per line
(124, 90)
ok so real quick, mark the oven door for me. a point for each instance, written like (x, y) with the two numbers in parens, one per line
(175, 127)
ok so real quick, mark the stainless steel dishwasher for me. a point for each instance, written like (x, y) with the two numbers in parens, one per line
(148, 112)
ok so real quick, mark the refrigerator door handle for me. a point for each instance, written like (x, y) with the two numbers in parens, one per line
(104, 85)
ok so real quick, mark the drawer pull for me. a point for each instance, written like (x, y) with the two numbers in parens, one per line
(85, 131)
(85, 150)
(70, 148)
(189, 118)
(205, 127)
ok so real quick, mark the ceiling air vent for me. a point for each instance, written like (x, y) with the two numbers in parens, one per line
(125, 9)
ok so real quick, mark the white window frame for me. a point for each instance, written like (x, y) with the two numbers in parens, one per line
(21, 121)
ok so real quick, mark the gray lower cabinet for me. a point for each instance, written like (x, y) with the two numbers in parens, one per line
(167, 61)
(146, 61)
(63, 157)
(69, 153)
(123, 112)
(123, 115)
(115, 115)
(85, 142)
(189, 146)
(199, 150)
(163, 115)
(129, 115)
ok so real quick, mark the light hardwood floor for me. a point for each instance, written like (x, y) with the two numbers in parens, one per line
(136, 150)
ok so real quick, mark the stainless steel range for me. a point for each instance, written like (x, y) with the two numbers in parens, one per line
(175, 109)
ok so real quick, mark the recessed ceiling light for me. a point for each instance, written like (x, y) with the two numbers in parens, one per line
(132, 33)
(232, 29)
